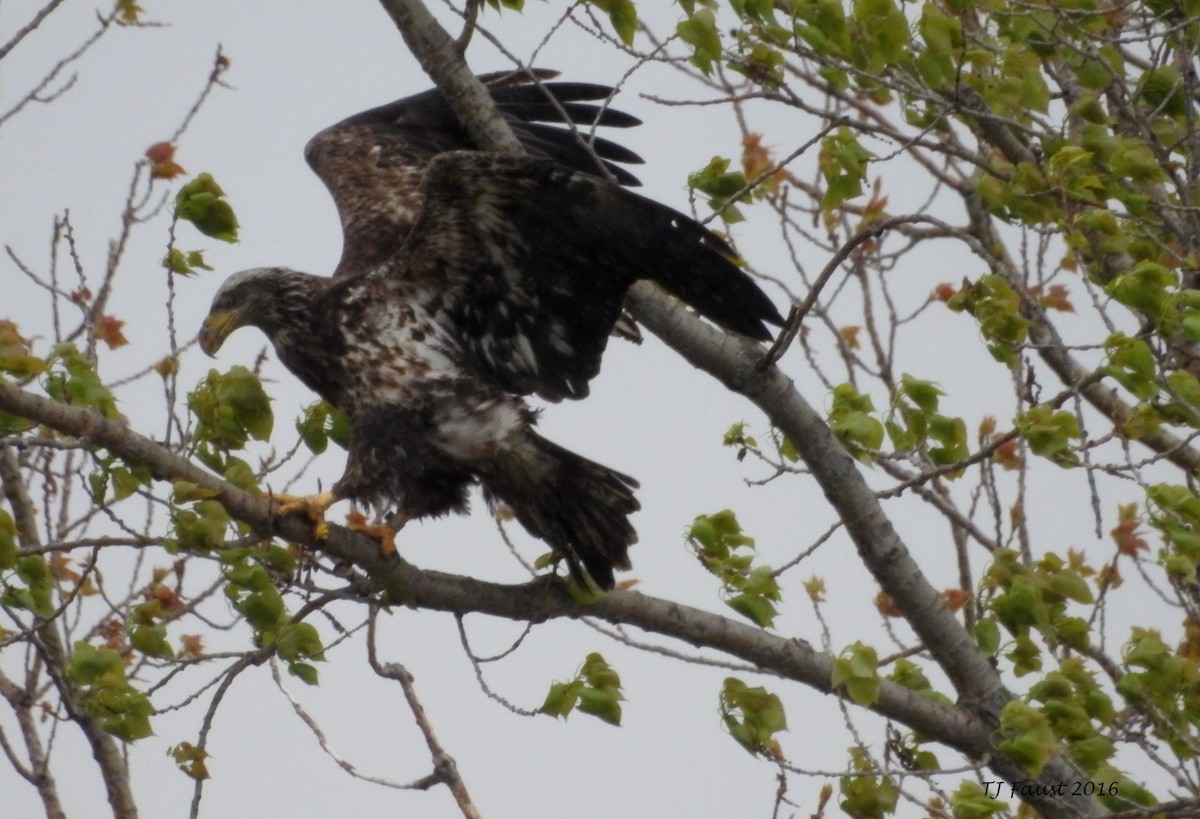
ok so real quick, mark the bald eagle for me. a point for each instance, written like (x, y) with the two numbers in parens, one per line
(468, 280)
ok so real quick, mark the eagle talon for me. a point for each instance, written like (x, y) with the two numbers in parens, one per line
(384, 534)
(311, 506)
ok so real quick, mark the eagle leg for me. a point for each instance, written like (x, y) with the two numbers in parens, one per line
(311, 506)
(385, 533)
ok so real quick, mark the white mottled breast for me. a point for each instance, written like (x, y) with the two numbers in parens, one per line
(399, 352)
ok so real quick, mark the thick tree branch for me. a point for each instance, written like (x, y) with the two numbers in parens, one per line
(536, 601)
(733, 361)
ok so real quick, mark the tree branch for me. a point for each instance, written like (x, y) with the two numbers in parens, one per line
(536, 601)
(105, 748)
(733, 361)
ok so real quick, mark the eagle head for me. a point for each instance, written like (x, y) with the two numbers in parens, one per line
(252, 297)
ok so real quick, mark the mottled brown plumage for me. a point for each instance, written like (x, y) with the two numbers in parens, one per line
(468, 280)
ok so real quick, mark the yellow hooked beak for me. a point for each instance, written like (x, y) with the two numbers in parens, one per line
(216, 328)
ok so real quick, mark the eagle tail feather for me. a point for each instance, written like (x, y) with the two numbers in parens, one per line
(706, 276)
(576, 505)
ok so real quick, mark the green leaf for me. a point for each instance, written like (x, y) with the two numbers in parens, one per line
(987, 635)
(74, 380)
(8, 541)
(129, 719)
(203, 203)
(305, 672)
(1132, 364)
(38, 594)
(826, 28)
(596, 690)
(1144, 287)
(623, 16)
(151, 640)
(972, 801)
(700, 32)
(601, 704)
(89, 665)
(1029, 742)
(924, 394)
(855, 671)
(719, 534)
(185, 263)
(755, 608)
(752, 715)
(851, 420)
(299, 640)
(1071, 585)
(322, 423)
(1049, 433)
(868, 797)
(201, 528)
(231, 408)
(719, 185)
(263, 610)
(190, 759)
(122, 710)
(561, 698)
(997, 307)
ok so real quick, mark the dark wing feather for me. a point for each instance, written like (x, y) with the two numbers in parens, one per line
(531, 261)
(373, 163)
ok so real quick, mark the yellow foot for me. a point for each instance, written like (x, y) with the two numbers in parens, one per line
(384, 533)
(311, 506)
(386, 536)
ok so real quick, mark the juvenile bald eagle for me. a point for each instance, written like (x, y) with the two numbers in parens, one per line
(468, 280)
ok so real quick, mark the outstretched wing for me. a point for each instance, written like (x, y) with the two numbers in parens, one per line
(530, 261)
(374, 162)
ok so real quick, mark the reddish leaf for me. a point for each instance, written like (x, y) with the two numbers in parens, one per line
(1110, 577)
(113, 633)
(757, 160)
(108, 330)
(193, 644)
(160, 152)
(1054, 299)
(167, 367)
(877, 205)
(167, 597)
(81, 296)
(944, 291)
(956, 598)
(1128, 539)
(60, 567)
(162, 161)
(166, 170)
(1190, 645)
(1007, 455)
(849, 335)
(887, 606)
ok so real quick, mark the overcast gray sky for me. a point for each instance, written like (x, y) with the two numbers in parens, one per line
(296, 67)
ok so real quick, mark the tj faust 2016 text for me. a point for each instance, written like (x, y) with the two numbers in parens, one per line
(1024, 789)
